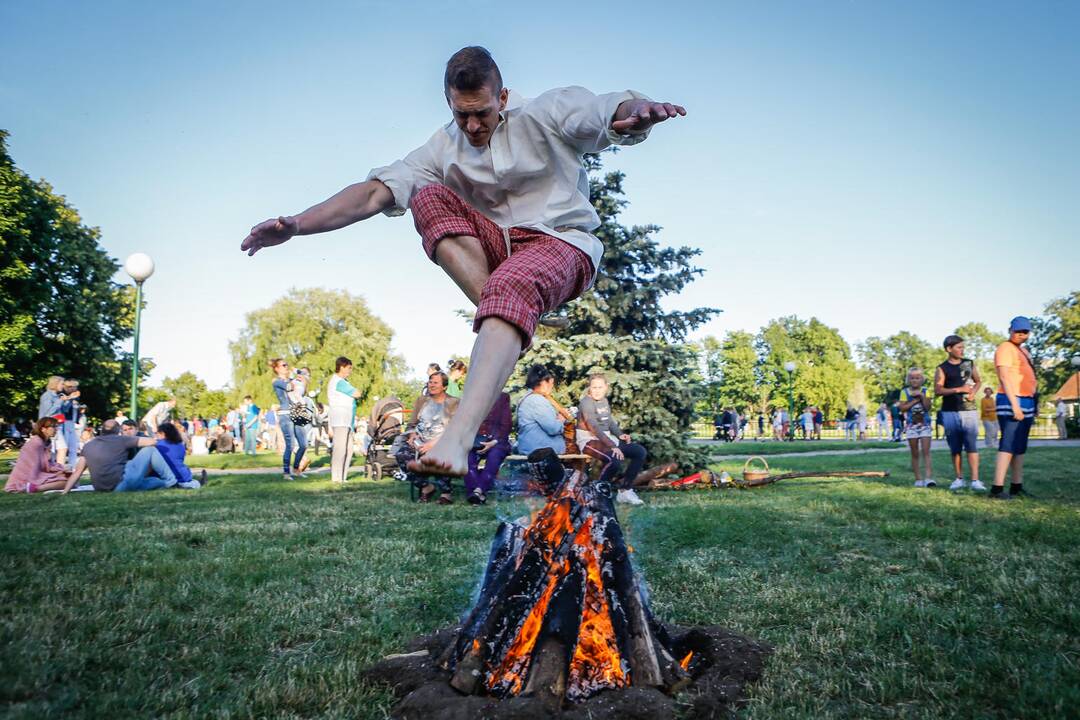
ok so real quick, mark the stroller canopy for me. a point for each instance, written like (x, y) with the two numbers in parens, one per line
(386, 418)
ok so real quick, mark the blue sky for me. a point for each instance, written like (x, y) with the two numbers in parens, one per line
(884, 167)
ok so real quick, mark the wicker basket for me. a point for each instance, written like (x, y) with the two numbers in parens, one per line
(751, 477)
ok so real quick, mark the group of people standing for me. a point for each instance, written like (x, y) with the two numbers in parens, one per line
(957, 382)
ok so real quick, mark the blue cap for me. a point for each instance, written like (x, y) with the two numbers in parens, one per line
(1019, 323)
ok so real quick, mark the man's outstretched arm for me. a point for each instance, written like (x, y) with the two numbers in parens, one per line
(635, 117)
(355, 203)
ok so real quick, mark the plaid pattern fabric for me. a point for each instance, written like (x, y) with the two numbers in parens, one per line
(541, 272)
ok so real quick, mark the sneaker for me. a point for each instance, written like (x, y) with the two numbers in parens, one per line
(978, 486)
(957, 484)
(929, 482)
(287, 476)
(1022, 494)
(628, 497)
(298, 474)
(1000, 496)
(920, 483)
(477, 497)
(554, 320)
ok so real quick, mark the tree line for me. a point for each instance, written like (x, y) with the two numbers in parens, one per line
(746, 371)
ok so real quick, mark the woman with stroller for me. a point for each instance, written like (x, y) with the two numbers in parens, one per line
(286, 388)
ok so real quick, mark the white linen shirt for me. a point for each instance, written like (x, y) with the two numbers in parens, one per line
(530, 174)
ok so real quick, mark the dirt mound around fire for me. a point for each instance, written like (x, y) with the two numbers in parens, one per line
(723, 664)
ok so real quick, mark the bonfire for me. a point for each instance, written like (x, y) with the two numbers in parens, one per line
(561, 612)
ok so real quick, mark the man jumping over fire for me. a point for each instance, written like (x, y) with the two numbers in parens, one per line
(500, 198)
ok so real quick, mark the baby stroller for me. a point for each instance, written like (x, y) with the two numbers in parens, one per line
(386, 423)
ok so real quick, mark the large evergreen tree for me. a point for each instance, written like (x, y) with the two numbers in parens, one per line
(619, 327)
(60, 311)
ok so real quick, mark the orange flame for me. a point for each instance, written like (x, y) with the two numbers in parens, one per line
(596, 663)
(685, 662)
(516, 660)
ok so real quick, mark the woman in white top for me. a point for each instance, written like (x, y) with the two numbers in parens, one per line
(341, 399)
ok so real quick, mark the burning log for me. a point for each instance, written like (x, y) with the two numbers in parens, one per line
(561, 614)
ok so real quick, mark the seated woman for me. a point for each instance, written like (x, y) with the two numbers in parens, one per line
(493, 444)
(539, 423)
(602, 438)
(34, 470)
(170, 443)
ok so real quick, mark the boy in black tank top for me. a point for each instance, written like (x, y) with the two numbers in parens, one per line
(955, 382)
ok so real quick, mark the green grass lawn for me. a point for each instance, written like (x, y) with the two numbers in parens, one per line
(775, 447)
(258, 597)
(240, 461)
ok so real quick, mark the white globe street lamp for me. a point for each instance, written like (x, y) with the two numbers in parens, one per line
(140, 267)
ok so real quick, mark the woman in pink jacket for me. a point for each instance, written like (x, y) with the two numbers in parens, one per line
(35, 471)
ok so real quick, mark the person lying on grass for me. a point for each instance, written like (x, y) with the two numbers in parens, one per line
(500, 197)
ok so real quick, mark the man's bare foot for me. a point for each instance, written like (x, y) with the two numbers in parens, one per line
(444, 458)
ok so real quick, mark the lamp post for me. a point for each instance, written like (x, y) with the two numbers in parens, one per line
(139, 266)
(790, 367)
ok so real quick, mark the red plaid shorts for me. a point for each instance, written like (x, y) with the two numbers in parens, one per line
(541, 272)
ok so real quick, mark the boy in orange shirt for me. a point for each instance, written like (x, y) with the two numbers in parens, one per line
(1016, 406)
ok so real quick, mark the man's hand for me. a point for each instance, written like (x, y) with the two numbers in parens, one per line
(1018, 412)
(617, 453)
(636, 116)
(270, 232)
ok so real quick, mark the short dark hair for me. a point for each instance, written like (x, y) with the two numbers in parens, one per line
(951, 340)
(537, 374)
(130, 423)
(342, 362)
(470, 69)
(441, 374)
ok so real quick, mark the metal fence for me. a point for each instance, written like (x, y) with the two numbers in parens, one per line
(703, 429)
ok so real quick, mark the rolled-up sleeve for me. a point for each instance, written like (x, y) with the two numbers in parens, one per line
(413, 172)
(584, 118)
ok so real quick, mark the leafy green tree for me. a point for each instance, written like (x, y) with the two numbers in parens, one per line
(737, 362)
(886, 361)
(979, 345)
(824, 374)
(312, 327)
(620, 328)
(60, 311)
(194, 398)
(1055, 340)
